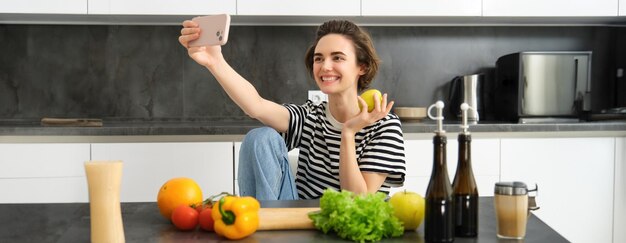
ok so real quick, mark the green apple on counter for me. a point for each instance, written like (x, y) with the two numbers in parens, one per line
(370, 96)
(408, 207)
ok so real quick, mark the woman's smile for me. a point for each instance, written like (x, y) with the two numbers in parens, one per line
(328, 79)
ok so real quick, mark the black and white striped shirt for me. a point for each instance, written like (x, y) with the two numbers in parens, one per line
(312, 129)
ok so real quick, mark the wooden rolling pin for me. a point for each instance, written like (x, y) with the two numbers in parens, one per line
(69, 122)
(285, 218)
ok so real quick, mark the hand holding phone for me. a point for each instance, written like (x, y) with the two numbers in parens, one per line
(214, 30)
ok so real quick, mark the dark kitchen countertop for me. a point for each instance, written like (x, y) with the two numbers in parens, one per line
(143, 223)
(137, 127)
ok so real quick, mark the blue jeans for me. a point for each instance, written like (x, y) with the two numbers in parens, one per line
(264, 171)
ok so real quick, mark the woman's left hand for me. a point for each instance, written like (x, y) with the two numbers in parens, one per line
(364, 118)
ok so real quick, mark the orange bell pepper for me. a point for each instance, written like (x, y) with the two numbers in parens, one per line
(236, 217)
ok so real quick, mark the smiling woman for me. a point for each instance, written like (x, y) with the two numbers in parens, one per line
(356, 42)
(341, 146)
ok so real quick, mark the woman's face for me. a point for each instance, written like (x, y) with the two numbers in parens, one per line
(335, 66)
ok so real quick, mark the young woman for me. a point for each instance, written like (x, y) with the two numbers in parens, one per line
(341, 146)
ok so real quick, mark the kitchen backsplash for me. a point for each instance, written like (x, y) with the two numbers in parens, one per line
(142, 72)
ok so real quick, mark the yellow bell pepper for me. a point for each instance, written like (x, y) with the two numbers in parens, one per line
(236, 217)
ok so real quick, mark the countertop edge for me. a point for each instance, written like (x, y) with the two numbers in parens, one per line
(239, 137)
(225, 131)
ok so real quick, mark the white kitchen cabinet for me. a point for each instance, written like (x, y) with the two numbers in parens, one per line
(44, 6)
(148, 165)
(299, 7)
(162, 7)
(622, 7)
(293, 163)
(575, 179)
(419, 163)
(421, 8)
(619, 221)
(43, 173)
(550, 8)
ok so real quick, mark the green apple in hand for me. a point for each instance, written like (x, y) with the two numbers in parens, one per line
(409, 208)
(370, 96)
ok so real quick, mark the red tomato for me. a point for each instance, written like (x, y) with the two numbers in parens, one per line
(206, 220)
(185, 217)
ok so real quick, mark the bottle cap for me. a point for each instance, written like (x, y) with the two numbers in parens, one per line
(464, 124)
(439, 117)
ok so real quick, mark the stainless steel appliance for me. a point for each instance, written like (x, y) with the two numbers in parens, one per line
(542, 86)
(466, 89)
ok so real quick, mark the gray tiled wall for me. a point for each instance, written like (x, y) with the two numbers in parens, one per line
(142, 71)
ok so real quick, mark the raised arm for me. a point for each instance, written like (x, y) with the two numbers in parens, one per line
(238, 88)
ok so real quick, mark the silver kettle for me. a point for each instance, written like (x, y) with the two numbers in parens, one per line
(466, 89)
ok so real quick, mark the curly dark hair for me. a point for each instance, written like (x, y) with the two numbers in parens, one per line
(365, 52)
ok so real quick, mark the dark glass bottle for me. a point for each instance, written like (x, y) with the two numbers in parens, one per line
(439, 219)
(465, 191)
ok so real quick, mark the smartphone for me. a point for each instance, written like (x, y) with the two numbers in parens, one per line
(214, 30)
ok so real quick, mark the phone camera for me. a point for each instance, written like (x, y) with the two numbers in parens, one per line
(218, 33)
